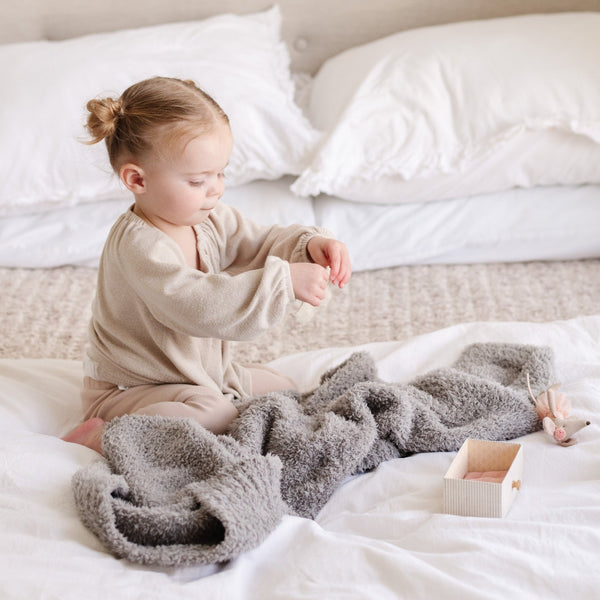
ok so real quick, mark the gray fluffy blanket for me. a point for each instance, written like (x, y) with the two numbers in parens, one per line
(172, 493)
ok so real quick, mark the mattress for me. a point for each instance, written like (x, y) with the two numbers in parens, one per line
(382, 535)
(540, 223)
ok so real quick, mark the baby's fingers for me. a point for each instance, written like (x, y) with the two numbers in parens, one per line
(309, 282)
(344, 276)
(335, 263)
(341, 274)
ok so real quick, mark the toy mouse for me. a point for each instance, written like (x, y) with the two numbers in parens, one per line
(553, 408)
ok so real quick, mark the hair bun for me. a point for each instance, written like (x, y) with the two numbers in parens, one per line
(103, 118)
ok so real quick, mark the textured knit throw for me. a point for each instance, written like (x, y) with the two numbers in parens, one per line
(172, 493)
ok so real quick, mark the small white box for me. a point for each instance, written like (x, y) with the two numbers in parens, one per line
(468, 497)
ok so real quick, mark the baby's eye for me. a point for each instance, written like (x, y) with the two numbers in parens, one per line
(196, 183)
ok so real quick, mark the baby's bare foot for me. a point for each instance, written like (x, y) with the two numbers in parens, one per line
(88, 434)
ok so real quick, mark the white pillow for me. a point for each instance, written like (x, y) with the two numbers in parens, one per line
(460, 109)
(239, 60)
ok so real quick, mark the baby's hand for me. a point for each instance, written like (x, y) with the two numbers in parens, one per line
(309, 282)
(330, 253)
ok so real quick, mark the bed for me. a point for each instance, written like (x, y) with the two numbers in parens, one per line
(435, 137)
(381, 535)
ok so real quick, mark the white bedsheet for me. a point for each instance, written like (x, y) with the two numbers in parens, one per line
(546, 223)
(381, 536)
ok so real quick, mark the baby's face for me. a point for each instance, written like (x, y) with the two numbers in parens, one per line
(183, 188)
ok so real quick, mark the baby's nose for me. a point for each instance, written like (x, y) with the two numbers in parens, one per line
(216, 187)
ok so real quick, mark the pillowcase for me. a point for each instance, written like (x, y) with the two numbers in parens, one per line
(460, 109)
(239, 60)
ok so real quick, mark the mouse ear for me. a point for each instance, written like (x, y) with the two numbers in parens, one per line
(549, 426)
(551, 401)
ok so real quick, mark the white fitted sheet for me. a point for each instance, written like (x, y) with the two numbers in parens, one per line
(382, 535)
(544, 223)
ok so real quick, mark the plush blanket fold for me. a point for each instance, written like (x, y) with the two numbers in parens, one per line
(172, 493)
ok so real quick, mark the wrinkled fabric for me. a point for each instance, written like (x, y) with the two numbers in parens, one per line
(172, 493)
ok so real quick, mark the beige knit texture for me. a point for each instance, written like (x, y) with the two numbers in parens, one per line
(45, 312)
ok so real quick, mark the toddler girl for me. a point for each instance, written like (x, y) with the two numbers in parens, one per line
(182, 274)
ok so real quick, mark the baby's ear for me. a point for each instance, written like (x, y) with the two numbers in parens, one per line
(132, 176)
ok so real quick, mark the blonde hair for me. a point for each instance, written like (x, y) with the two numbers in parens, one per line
(152, 113)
